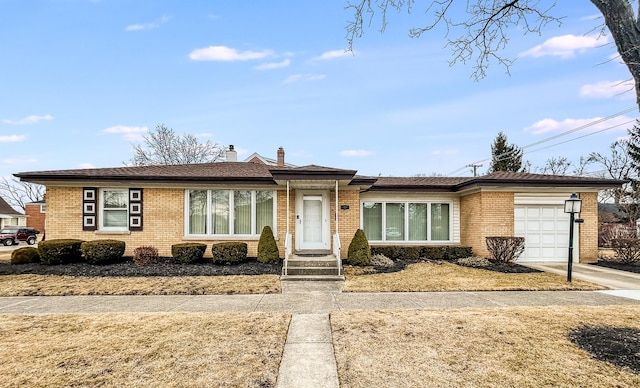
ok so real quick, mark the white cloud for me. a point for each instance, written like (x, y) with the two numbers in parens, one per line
(14, 161)
(273, 65)
(33, 119)
(11, 138)
(445, 152)
(223, 53)
(566, 46)
(547, 126)
(129, 133)
(147, 26)
(332, 54)
(304, 78)
(86, 165)
(607, 89)
(356, 153)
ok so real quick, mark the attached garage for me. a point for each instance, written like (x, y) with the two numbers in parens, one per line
(545, 227)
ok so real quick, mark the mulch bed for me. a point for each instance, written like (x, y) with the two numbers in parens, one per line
(400, 265)
(129, 268)
(618, 265)
(619, 346)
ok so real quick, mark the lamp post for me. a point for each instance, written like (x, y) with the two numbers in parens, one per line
(572, 206)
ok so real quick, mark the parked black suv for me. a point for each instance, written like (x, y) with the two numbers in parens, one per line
(12, 235)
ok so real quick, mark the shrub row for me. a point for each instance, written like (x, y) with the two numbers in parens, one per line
(65, 251)
(398, 252)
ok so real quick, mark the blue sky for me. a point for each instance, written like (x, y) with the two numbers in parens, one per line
(80, 80)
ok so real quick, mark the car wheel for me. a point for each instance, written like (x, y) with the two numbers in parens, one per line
(31, 240)
(8, 242)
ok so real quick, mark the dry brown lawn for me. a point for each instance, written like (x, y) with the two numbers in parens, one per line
(18, 285)
(501, 347)
(451, 277)
(142, 350)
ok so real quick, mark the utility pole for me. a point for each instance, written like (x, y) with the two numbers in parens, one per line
(475, 168)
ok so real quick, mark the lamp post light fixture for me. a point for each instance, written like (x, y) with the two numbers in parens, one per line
(572, 206)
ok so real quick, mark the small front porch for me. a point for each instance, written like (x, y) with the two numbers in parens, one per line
(320, 204)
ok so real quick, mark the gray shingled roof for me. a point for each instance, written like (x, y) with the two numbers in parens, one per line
(243, 172)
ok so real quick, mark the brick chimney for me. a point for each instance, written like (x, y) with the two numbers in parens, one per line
(232, 155)
(280, 157)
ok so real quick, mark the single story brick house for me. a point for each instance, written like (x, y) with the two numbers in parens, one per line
(314, 208)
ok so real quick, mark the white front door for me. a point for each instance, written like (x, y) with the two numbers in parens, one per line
(312, 226)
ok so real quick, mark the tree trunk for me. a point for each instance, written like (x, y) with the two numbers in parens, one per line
(623, 26)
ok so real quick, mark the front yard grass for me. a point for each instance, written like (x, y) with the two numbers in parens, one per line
(429, 276)
(141, 350)
(499, 347)
(27, 285)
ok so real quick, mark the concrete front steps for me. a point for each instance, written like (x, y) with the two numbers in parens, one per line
(322, 268)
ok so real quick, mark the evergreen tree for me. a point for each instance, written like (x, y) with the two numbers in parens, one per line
(633, 147)
(505, 156)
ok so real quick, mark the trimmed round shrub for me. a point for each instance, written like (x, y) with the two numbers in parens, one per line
(103, 251)
(267, 248)
(60, 251)
(25, 255)
(359, 250)
(188, 253)
(229, 253)
(145, 255)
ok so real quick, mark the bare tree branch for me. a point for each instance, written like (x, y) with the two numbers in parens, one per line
(17, 193)
(164, 147)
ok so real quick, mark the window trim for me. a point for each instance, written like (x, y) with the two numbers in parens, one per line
(406, 220)
(231, 219)
(101, 210)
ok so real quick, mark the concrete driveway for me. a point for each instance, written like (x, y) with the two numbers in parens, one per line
(622, 283)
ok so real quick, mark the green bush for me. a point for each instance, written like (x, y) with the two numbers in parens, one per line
(146, 255)
(188, 253)
(391, 251)
(103, 251)
(229, 253)
(416, 252)
(60, 251)
(25, 255)
(359, 251)
(267, 247)
(434, 253)
(457, 252)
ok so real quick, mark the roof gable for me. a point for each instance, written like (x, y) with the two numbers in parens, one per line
(6, 209)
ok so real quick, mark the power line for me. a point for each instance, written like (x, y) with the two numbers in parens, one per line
(509, 154)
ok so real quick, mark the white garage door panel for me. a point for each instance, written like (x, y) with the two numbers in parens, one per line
(546, 232)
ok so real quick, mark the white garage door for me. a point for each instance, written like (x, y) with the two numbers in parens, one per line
(545, 229)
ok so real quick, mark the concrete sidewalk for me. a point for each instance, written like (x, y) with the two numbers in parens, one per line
(309, 302)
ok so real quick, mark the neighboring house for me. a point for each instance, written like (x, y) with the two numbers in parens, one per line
(9, 216)
(36, 212)
(314, 208)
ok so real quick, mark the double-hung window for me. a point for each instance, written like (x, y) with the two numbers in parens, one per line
(114, 208)
(222, 212)
(406, 221)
